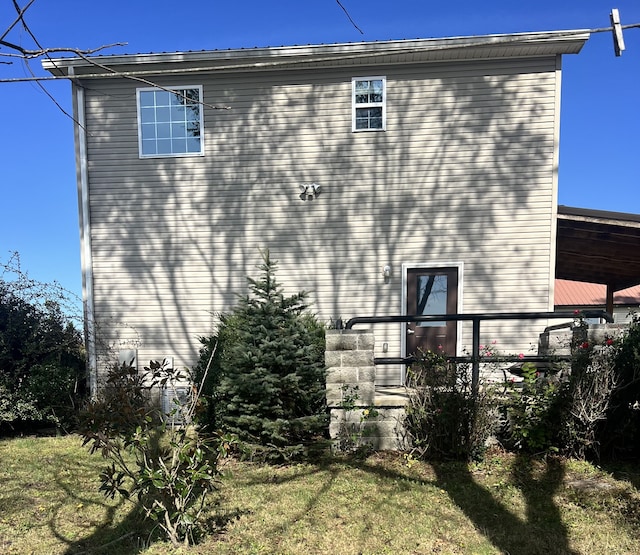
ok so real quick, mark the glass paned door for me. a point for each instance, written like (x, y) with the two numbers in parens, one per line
(432, 291)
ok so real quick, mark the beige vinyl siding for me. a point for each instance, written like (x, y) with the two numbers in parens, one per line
(463, 173)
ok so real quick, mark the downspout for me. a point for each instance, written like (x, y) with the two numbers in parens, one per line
(85, 236)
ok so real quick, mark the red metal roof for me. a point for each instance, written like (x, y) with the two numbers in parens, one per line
(579, 293)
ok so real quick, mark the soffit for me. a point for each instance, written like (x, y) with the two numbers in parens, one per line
(598, 247)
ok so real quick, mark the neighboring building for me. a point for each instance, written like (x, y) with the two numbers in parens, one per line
(397, 177)
(576, 295)
(597, 247)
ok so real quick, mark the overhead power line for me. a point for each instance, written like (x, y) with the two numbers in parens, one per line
(493, 41)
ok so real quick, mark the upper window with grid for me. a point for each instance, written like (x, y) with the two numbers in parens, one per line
(170, 121)
(369, 103)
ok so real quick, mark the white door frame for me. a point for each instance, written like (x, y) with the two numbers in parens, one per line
(459, 265)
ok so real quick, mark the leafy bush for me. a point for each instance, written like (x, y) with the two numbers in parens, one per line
(445, 418)
(42, 364)
(267, 382)
(593, 412)
(169, 470)
(530, 412)
(619, 434)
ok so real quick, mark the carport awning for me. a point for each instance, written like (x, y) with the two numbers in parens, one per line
(598, 247)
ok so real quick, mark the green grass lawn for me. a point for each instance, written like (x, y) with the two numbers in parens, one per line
(49, 504)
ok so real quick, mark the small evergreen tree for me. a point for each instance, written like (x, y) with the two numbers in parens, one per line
(269, 369)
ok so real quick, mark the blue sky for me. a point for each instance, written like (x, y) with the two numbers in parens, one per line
(600, 122)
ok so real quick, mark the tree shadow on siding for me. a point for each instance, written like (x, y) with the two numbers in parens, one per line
(451, 179)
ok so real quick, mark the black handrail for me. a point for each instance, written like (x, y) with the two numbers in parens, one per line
(475, 319)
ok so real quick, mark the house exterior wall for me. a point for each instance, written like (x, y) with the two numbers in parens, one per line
(464, 173)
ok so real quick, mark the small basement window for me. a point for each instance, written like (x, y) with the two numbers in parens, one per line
(369, 100)
(170, 121)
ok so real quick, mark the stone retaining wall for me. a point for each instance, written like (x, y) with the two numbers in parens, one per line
(362, 416)
(562, 341)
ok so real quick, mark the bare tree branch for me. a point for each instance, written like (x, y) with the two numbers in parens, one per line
(51, 97)
(26, 62)
(28, 53)
(20, 14)
(150, 83)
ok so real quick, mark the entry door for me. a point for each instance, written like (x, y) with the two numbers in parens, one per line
(432, 291)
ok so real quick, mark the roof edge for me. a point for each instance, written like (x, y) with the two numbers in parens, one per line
(593, 214)
(564, 42)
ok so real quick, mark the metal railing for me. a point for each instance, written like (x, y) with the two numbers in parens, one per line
(475, 359)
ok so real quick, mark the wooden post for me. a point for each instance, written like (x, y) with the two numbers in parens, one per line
(609, 307)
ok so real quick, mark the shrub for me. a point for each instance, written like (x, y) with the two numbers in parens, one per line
(445, 418)
(42, 364)
(169, 470)
(594, 379)
(531, 412)
(591, 412)
(619, 434)
(267, 384)
(594, 411)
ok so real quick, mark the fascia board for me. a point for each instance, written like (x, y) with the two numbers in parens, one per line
(416, 50)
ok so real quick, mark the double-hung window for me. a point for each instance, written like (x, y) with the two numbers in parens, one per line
(170, 121)
(369, 103)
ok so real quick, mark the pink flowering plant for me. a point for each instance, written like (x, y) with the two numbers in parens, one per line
(593, 381)
(584, 407)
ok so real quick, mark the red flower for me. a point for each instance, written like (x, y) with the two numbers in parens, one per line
(609, 341)
(585, 345)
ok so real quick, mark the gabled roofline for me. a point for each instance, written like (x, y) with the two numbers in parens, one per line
(394, 51)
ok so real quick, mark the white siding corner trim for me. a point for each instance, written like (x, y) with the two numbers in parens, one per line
(85, 240)
(554, 202)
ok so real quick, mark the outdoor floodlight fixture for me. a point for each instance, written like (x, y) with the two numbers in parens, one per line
(386, 273)
(309, 191)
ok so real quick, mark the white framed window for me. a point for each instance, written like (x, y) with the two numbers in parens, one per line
(369, 99)
(170, 121)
